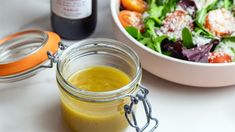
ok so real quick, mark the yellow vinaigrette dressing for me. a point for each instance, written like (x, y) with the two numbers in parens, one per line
(84, 116)
(99, 79)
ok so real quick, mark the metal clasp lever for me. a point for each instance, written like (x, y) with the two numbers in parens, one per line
(129, 110)
(54, 58)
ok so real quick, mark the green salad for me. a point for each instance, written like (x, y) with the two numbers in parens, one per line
(193, 30)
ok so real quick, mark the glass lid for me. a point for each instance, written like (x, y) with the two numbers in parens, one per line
(21, 45)
(22, 52)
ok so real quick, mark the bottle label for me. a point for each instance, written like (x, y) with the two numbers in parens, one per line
(72, 9)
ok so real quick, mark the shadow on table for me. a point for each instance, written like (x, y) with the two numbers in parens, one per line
(51, 119)
(172, 87)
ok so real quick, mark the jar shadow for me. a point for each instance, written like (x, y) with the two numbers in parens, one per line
(51, 119)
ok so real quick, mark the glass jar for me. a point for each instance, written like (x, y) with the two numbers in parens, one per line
(111, 111)
(25, 53)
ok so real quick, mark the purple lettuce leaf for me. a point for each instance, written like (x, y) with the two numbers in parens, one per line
(175, 48)
(187, 4)
(196, 54)
(200, 53)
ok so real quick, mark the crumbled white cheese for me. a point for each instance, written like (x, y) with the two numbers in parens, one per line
(190, 10)
(174, 23)
(227, 47)
(145, 15)
(199, 40)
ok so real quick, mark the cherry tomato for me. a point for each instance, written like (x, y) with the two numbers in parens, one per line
(219, 57)
(135, 5)
(131, 18)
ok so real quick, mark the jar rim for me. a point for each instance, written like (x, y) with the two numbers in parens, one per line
(99, 96)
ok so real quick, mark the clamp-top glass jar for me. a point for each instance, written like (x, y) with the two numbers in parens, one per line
(25, 53)
(109, 111)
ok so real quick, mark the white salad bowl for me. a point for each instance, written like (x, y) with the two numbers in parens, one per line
(172, 69)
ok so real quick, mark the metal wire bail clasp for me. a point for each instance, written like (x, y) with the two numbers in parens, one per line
(130, 113)
(54, 58)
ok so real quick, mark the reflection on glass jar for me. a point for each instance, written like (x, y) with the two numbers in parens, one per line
(103, 111)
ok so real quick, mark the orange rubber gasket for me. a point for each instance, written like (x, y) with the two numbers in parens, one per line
(32, 60)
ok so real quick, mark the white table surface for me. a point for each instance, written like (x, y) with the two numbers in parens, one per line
(32, 105)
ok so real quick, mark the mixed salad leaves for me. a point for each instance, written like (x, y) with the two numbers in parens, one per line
(193, 30)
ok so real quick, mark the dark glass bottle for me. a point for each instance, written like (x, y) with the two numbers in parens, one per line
(73, 19)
